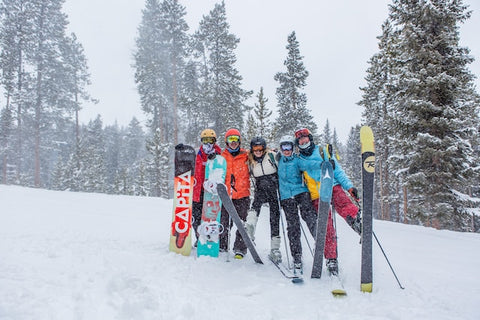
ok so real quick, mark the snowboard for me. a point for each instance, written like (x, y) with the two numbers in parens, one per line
(210, 228)
(228, 205)
(180, 236)
(326, 190)
(368, 175)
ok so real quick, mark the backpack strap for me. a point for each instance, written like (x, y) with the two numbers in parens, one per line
(272, 160)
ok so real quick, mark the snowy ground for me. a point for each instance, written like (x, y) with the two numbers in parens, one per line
(89, 256)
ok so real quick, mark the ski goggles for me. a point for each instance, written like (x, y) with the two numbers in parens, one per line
(231, 139)
(302, 133)
(257, 148)
(286, 147)
(208, 140)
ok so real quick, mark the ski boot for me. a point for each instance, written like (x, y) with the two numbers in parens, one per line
(355, 223)
(298, 269)
(332, 266)
(275, 255)
(239, 255)
(251, 224)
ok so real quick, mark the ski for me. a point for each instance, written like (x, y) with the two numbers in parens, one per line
(326, 190)
(228, 205)
(368, 175)
(287, 273)
(210, 228)
(336, 286)
(180, 236)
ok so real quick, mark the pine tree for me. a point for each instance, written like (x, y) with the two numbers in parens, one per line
(351, 161)
(291, 100)
(6, 132)
(223, 94)
(377, 98)
(194, 112)
(326, 136)
(427, 100)
(258, 121)
(159, 165)
(15, 40)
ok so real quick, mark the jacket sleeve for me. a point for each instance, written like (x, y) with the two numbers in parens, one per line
(341, 176)
(312, 167)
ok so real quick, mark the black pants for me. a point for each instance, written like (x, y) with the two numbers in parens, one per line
(268, 195)
(196, 216)
(290, 206)
(242, 206)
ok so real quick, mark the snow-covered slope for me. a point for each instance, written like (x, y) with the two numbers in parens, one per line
(70, 255)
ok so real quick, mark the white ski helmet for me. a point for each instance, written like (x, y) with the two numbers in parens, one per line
(287, 140)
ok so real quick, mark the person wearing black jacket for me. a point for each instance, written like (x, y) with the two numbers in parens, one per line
(263, 169)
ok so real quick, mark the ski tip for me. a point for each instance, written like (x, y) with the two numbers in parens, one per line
(339, 293)
(297, 280)
(366, 287)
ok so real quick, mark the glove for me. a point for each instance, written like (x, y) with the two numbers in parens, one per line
(354, 193)
(333, 163)
(210, 186)
(212, 156)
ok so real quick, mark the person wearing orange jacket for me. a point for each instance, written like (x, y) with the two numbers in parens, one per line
(237, 181)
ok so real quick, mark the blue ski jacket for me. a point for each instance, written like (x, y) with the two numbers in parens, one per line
(311, 164)
(290, 177)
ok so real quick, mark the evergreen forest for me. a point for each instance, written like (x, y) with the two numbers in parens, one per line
(420, 100)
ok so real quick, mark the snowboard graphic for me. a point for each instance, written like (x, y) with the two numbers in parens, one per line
(210, 228)
(180, 235)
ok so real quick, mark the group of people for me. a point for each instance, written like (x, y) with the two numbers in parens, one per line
(285, 179)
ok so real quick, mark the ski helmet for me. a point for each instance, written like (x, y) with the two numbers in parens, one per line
(258, 141)
(208, 133)
(302, 132)
(232, 132)
(208, 136)
(287, 140)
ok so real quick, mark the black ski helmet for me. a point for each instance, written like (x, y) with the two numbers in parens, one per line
(258, 141)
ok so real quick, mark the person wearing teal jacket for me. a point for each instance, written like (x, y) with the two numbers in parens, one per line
(294, 196)
(310, 158)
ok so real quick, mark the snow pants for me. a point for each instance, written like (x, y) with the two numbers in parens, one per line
(242, 205)
(268, 195)
(291, 206)
(345, 207)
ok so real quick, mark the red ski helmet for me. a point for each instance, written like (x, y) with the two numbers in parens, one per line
(232, 133)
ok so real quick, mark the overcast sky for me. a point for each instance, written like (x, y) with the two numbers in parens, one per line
(337, 38)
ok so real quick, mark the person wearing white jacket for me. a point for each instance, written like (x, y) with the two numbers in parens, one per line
(263, 169)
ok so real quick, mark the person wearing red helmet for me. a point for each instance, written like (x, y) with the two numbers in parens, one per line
(208, 150)
(237, 181)
(310, 158)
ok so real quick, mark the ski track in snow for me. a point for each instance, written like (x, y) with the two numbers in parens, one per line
(67, 255)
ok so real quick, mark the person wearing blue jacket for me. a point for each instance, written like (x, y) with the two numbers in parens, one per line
(294, 195)
(310, 158)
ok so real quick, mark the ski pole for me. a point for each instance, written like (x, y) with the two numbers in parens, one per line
(391, 268)
(306, 239)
